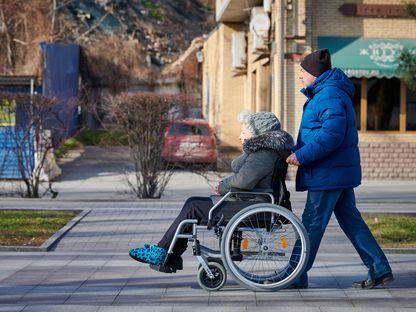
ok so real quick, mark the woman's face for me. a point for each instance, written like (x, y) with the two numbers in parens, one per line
(245, 134)
(305, 78)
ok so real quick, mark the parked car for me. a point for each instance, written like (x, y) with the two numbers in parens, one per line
(190, 141)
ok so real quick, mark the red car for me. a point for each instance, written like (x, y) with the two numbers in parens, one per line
(190, 141)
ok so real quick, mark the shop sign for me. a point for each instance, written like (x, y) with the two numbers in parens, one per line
(373, 10)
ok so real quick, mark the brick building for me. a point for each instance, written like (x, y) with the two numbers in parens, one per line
(252, 58)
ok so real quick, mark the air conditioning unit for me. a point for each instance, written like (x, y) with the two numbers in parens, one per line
(238, 50)
(267, 6)
(259, 28)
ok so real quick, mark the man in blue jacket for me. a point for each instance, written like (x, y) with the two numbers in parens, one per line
(329, 166)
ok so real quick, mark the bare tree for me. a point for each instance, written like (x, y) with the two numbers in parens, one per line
(23, 24)
(144, 117)
(30, 126)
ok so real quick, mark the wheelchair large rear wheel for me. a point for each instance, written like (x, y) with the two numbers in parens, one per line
(265, 247)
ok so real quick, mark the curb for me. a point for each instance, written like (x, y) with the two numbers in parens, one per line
(400, 250)
(51, 241)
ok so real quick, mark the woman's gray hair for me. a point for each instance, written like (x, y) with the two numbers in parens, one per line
(244, 119)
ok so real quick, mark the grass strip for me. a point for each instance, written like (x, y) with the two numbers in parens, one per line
(393, 231)
(31, 227)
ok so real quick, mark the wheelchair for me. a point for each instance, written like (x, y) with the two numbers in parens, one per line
(261, 243)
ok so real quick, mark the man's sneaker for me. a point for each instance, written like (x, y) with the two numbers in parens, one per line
(298, 286)
(371, 283)
(151, 254)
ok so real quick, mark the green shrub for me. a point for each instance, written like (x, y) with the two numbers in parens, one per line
(103, 137)
(68, 145)
(154, 8)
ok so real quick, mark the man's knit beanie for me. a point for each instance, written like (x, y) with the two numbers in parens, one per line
(317, 62)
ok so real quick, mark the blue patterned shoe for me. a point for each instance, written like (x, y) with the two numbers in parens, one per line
(151, 254)
(137, 253)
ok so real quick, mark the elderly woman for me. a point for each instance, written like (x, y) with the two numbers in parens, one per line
(263, 143)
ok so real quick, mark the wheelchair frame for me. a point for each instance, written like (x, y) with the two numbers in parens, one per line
(213, 261)
(202, 253)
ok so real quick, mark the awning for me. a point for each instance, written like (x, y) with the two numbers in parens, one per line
(366, 57)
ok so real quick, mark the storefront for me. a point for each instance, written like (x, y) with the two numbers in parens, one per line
(382, 102)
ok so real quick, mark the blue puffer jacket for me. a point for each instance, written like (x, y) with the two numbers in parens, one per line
(327, 145)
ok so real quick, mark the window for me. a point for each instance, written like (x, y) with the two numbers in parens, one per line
(7, 112)
(410, 109)
(383, 104)
(356, 101)
(187, 129)
(253, 91)
(265, 88)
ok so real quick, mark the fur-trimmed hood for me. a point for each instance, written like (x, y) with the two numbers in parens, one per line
(279, 140)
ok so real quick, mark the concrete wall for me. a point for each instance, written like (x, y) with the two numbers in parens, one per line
(388, 160)
(328, 21)
(223, 92)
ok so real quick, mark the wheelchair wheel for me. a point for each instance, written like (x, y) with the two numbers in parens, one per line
(273, 247)
(212, 284)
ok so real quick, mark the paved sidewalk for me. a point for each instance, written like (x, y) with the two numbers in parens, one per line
(113, 282)
(91, 271)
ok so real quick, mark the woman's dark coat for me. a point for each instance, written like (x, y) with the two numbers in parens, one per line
(254, 168)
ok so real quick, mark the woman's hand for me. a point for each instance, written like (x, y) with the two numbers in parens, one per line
(292, 160)
(216, 190)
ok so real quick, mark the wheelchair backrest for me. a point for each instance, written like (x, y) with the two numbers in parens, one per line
(280, 192)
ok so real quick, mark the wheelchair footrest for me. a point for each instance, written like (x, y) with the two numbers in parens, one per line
(162, 268)
(172, 264)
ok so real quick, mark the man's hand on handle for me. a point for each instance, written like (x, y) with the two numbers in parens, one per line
(292, 160)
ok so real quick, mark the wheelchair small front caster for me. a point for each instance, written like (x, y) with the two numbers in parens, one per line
(212, 284)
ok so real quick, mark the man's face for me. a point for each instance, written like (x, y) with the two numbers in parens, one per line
(306, 79)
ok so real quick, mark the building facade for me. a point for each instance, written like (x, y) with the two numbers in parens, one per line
(252, 59)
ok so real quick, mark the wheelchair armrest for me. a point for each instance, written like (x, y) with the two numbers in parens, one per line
(234, 190)
(255, 190)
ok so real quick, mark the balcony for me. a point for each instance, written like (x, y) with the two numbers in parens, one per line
(235, 10)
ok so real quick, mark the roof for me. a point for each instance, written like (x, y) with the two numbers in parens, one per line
(17, 80)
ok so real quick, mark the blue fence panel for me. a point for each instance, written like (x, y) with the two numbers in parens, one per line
(17, 153)
(60, 80)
